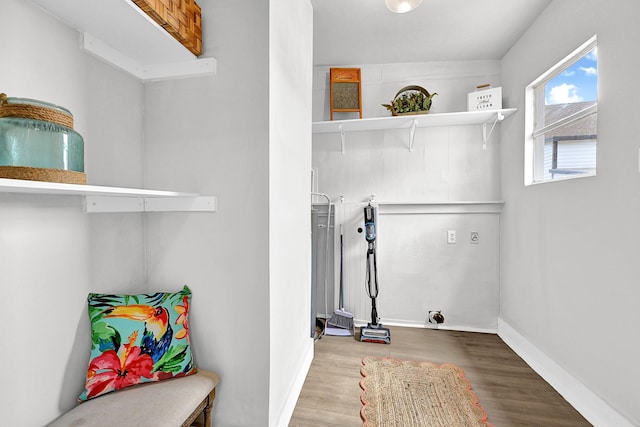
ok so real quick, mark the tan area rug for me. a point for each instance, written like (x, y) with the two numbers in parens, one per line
(399, 393)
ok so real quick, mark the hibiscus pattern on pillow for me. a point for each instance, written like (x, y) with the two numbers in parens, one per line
(137, 339)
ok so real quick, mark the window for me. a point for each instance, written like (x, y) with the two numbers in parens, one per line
(561, 119)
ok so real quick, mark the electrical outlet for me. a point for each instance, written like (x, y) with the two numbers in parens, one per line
(451, 237)
(474, 239)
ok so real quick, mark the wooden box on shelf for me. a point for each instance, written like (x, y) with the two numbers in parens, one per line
(180, 18)
(346, 90)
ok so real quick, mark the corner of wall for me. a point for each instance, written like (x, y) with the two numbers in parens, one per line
(585, 401)
(289, 403)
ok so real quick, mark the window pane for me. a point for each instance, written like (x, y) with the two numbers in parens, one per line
(571, 149)
(561, 118)
(577, 83)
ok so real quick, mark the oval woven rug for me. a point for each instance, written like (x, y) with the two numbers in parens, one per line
(399, 393)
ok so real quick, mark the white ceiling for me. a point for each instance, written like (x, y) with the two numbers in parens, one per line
(348, 32)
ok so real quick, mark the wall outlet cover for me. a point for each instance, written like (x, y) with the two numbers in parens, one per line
(474, 238)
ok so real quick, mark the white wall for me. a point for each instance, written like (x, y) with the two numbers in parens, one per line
(248, 265)
(570, 249)
(51, 253)
(290, 85)
(380, 83)
(418, 270)
(202, 136)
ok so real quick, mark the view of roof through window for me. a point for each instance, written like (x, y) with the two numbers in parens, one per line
(570, 119)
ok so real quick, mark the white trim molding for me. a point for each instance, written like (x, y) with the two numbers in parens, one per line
(287, 408)
(585, 401)
(426, 325)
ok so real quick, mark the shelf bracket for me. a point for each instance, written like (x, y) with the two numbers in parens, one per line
(111, 204)
(485, 135)
(342, 137)
(412, 133)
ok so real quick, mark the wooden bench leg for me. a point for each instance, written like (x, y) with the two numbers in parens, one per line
(207, 409)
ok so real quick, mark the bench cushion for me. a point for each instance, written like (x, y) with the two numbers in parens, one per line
(164, 403)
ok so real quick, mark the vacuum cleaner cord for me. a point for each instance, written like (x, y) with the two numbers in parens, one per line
(372, 281)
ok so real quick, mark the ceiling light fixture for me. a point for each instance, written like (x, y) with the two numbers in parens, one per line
(402, 6)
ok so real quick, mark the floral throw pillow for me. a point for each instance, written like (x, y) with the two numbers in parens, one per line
(137, 339)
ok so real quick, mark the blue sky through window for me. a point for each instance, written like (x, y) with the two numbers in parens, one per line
(577, 83)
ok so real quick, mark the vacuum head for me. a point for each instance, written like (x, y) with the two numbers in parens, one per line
(375, 333)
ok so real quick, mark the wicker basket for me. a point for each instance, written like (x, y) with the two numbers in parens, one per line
(180, 18)
(406, 92)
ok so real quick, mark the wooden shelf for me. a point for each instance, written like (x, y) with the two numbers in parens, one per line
(120, 33)
(485, 118)
(116, 199)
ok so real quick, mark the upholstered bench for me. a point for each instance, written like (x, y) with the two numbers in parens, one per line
(176, 402)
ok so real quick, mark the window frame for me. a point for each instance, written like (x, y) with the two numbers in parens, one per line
(534, 114)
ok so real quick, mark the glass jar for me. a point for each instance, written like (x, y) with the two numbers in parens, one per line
(36, 142)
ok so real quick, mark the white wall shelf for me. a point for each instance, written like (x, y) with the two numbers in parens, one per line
(99, 199)
(120, 33)
(486, 118)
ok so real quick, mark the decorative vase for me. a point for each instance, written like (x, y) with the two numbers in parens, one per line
(38, 143)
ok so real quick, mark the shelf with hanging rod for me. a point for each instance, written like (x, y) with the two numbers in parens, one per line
(488, 120)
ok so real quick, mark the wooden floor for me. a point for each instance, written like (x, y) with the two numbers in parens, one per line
(511, 393)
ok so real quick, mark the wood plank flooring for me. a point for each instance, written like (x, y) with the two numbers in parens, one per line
(511, 393)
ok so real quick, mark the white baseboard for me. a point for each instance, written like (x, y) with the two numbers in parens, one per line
(294, 392)
(591, 406)
(426, 325)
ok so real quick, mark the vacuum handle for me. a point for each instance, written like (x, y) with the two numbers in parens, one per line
(370, 223)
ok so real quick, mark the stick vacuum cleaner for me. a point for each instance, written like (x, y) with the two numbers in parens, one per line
(374, 331)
